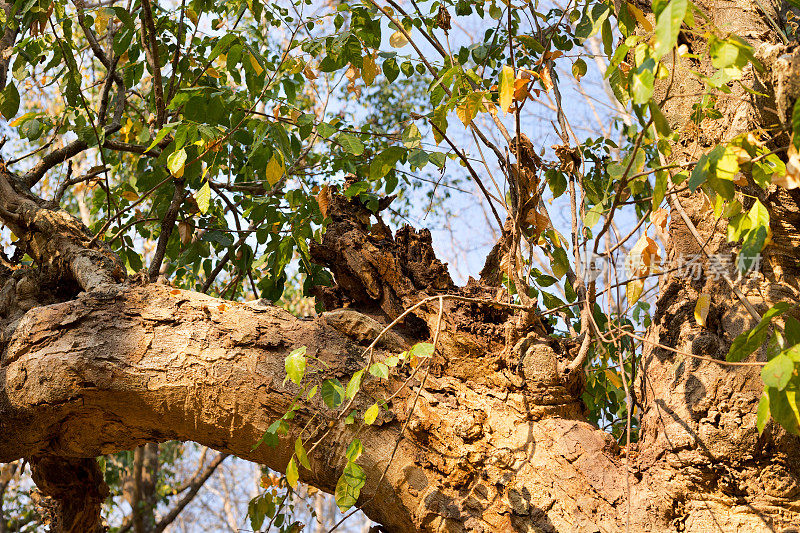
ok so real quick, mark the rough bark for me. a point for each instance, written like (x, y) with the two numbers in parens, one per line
(698, 435)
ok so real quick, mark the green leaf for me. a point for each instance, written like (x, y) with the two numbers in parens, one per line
(332, 393)
(9, 101)
(593, 216)
(592, 20)
(203, 198)
(390, 69)
(668, 25)
(782, 410)
(777, 372)
(559, 262)
(348, 488)
(660, 121)
(371, 413)
(295, 364)
(792, 331)
(660, 189)
(292, 475)
(162, 133)
(744, 344)
(350, 143)
(256, 513)
(556, 181)
(762, 414)
(354, 385)
(579, 69)
(642, 81)
(379, 370)
(354, 450)
(440, 122)
(300, 453)
(385, 161)
(422, 349)
(796, 123)
(412, 137)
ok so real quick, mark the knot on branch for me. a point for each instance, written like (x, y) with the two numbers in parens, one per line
(57, 241)
(370, 265)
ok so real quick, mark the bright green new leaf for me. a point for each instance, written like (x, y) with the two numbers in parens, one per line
(295, 364)
(777, 372)
(354, 385)
(379, 370)
(668, 26)
(421, 349)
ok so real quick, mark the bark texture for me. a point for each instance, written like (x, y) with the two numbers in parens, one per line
(698, 434)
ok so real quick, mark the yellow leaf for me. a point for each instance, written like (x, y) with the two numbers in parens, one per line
(398, 40)
(19, 120)
(640, 18)
(101, 21)
(369, 69)
(643, 256)
(275, 169)
(211, 71)
(741, 154)
(256, 65)
(469, 107)
(633, 290)
(701, 309)
(506, 89)
(130, 196)
(613, 377)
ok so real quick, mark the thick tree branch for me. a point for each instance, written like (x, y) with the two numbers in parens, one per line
(155, 364)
